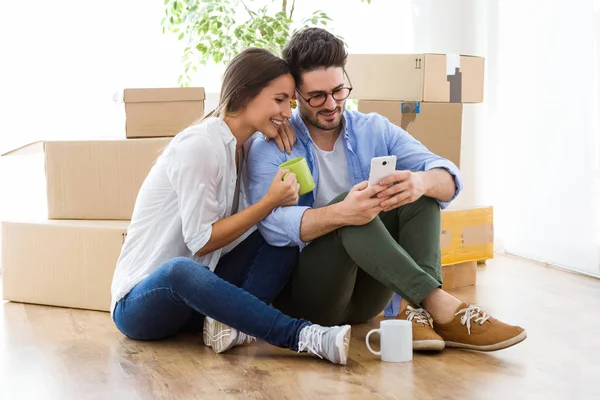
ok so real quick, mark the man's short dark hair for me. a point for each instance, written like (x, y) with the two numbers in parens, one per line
(313, 48)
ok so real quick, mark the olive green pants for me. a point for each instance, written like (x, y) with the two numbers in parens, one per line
(350, 275)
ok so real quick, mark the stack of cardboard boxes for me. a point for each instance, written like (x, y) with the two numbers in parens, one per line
(425, 95)
(68, 258)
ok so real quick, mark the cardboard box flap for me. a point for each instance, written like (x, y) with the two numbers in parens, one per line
(435, 83)
(157, 95)
(83, 223)
(30, 148)
(42, 145)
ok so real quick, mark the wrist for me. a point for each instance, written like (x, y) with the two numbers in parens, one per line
(268, 203)
(425, 177)
(336, 215)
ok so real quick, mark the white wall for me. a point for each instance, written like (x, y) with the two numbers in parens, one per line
(547, 157)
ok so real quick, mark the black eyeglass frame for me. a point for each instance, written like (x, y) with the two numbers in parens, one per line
(326, 94)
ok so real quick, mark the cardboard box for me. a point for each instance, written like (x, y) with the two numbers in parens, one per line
(449, 78)
(61, 263)
(161, 112)
(95, 179)
(437, 125)
(467, 235)
(459, 275)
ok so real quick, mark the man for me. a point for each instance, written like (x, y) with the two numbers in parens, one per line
(361, 244)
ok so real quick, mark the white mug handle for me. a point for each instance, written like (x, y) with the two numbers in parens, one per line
(377, 353)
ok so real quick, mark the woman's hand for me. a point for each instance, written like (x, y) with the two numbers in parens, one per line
(283, 192)
(286, 138)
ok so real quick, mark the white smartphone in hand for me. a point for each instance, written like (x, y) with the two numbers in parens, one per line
(380, 168)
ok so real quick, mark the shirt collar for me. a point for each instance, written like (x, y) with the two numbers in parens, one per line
(225, 133)
(301, 130)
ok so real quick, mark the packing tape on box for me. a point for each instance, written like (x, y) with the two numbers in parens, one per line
(410, 107)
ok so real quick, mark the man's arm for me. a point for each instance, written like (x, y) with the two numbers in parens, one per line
(298, 225)
(358, 208)
(439, 184)
(282, 226)
(317, 222)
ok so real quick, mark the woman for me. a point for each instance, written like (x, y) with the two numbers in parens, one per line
(189, 252)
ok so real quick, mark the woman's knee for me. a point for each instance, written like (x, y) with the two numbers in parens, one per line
(140, 321)
(181, 270)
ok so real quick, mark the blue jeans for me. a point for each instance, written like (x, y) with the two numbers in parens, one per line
(178, 294)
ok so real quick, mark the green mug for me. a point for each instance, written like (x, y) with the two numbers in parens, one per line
(299, 166)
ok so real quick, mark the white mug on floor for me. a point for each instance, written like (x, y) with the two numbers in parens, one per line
(396, 340)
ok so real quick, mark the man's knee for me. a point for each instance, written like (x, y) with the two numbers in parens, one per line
(424, 205)
(428, 202)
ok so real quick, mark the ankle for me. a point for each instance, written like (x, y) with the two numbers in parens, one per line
(441, 305)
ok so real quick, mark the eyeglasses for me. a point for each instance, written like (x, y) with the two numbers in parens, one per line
(338, 94)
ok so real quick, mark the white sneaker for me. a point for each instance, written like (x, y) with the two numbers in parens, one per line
(331, 343)
(222, 337)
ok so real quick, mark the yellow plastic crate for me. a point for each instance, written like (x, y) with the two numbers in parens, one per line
(467, 235)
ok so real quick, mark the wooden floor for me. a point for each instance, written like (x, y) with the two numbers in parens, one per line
(55, 353)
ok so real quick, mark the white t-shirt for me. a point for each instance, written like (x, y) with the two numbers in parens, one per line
(190, 187)
(333, 173)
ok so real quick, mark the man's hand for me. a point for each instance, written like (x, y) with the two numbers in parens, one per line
(406, 187)
(286, 138)
(361, 205)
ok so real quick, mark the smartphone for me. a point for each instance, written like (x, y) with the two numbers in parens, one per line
(380, 168)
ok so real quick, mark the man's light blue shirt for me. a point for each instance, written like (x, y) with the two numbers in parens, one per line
(365, 136)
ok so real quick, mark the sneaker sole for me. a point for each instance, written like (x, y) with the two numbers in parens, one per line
(342, 343)
(491, 347)
(435, 345)
(217, 337)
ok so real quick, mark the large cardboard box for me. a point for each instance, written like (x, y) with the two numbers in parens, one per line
(159, 112)
(437, 125)
(61, 263)
(459, 275)
(449, 78)
(95, 179)
(467, 235)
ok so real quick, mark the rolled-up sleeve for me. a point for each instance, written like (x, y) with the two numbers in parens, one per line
(413, 155)
(282, 226)
(194, 170)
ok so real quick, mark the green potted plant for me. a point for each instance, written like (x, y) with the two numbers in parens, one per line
(216, 30)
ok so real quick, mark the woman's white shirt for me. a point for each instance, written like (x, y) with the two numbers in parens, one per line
(190, 187)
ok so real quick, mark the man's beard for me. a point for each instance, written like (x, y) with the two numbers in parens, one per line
(313, 119)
